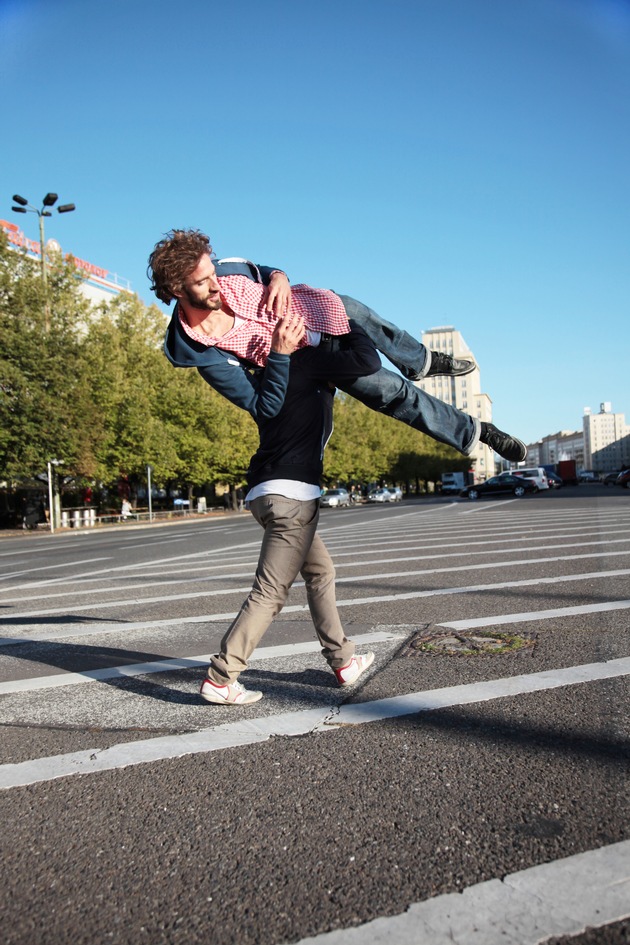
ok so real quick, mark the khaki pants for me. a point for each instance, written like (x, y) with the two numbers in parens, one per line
(290, 546)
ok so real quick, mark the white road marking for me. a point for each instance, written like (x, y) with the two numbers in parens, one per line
(91, 629)
(536, 615)
(127, 670)
(352, 579)
(176, 581)
(554, 900)
(50, 567)
(252, 731)
(334, 544)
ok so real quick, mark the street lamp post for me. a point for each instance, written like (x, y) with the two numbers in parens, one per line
(24, 207)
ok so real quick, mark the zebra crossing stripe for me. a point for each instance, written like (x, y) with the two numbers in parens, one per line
(253, 731)
(554, 900)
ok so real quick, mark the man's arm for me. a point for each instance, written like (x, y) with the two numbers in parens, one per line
(261, 394)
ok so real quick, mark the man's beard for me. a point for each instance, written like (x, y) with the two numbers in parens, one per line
(209, 304)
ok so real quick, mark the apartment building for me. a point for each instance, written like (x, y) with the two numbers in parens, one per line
(462, 392)
(555, 447)
(606, 439)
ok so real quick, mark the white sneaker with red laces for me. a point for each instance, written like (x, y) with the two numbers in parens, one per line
(229, 694)
(352, 670)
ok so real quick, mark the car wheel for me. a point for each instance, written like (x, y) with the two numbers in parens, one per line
(519, 491)
(473, 494)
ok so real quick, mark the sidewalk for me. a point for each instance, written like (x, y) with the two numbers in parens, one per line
(131, 523)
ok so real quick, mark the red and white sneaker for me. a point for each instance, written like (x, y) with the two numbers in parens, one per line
(229, 694)
(352, 670)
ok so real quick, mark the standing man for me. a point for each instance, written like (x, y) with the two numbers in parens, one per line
(213, 328)
(284, 489)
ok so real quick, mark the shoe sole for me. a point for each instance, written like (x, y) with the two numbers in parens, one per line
(214, 700)
(451, 373)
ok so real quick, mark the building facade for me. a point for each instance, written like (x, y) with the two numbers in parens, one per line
(606, 440)
(462, 392)
(552, 449)
(602, 445)
(98, 284)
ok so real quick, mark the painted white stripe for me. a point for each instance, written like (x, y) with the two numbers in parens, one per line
(160, 561)
(483, 508)
(388, 539)
(554, 900)
(127, 670)
(247, 732)
(91, 629)
(537, 615)
(352, 579)
(462, 540)
(50, 567)
(170, 579)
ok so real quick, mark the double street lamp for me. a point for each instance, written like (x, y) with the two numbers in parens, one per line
(25, 207)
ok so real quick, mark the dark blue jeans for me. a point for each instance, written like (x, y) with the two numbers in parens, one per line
(397, 397)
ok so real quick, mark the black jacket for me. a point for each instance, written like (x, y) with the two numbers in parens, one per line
(292, 442)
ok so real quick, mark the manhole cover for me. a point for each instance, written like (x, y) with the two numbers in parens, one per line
(467, 644)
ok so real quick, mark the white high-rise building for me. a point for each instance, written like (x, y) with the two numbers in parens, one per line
(606, 440)
(463, 392)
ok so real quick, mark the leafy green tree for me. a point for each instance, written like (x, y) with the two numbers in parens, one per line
(39, 415)
(147, 412)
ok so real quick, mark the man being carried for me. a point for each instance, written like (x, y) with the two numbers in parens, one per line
(223, 321)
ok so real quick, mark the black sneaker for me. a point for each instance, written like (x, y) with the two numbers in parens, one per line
(447, 364)
(502, 443)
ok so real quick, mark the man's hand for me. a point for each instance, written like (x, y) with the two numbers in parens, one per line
(287, 334)
(277, 297)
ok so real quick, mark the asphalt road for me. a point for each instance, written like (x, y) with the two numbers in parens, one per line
(472, 788)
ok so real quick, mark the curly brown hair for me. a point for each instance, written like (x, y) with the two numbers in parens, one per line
(173, 259)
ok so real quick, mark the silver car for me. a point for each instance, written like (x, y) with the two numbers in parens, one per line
(335, 498)
(380, 495)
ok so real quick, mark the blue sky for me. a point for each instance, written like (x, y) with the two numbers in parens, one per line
(448, 162)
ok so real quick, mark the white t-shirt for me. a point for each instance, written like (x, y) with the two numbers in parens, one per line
(289, 488)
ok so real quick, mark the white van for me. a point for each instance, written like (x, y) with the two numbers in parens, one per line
(537, 473)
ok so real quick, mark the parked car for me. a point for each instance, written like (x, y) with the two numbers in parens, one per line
(623, 479)
(396, 493)
(335, 498)
(555, 481)
(587, 475)
(505, 484)
(380, 495)
(537, 473)
(611, 478)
